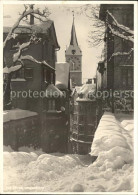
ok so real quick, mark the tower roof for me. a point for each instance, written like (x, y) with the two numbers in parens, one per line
(73, 47)
(73, 40)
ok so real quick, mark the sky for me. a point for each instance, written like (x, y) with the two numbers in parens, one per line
(62, 16)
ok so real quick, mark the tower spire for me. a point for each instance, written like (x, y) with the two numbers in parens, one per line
(73, 16)
(73, 40)
(73, 55)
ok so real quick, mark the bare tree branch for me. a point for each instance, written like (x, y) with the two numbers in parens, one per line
(22, 47)
(117, 33)
(28, 10)
(18, 58)
(121, 26)
(7, 70)
(122, 53)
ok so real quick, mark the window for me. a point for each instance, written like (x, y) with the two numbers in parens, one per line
(48, 76)
(51, 105)
(75, 108)
(130, 77)
(127, 77)
(74, 127)
(53, 52)
(81, 95)
(45, 75)
(91, 118)
(75, 118)
(81, 119)
(81, 108)
(52, 78)
(90, 130)
(72, 64)
(81, 129)
(19, 74)
(90, 108)
(28, 73)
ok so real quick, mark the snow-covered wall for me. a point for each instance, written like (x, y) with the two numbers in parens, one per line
(113, 143)
(21, 128)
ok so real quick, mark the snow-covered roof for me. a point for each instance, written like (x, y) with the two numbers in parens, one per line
(41, 28)
(85, 92)
(53, 92)
(76, 90)
(62, 75)
(16, 114)
(38, 28)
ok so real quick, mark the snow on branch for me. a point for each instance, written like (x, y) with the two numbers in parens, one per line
(30, 58)
(121, 26)
(27, 11)
(17, 57)
(122, 53)
(121, 35)
(7, 70)
(22, 47)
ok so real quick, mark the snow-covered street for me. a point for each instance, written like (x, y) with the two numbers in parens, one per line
(35, 171)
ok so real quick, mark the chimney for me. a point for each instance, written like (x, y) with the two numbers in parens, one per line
(31, 16)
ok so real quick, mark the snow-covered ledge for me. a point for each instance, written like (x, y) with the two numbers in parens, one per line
(113, 142)
(18, 79)
(16, 114)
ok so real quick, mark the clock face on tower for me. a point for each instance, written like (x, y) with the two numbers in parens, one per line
(73, 51)
(75, 63)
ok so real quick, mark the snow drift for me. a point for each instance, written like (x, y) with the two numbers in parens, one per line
(35, 171)
(112, 143)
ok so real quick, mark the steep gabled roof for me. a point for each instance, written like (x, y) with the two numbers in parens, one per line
(73, 40)
(41, 28)
(73, 43)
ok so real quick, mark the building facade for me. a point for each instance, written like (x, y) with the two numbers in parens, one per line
(115, 70)
(21, 128)
(73, 55)
(84, 119)
(34, 75)
(33, 86)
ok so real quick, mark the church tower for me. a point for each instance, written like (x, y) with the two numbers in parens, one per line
(73, 55)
